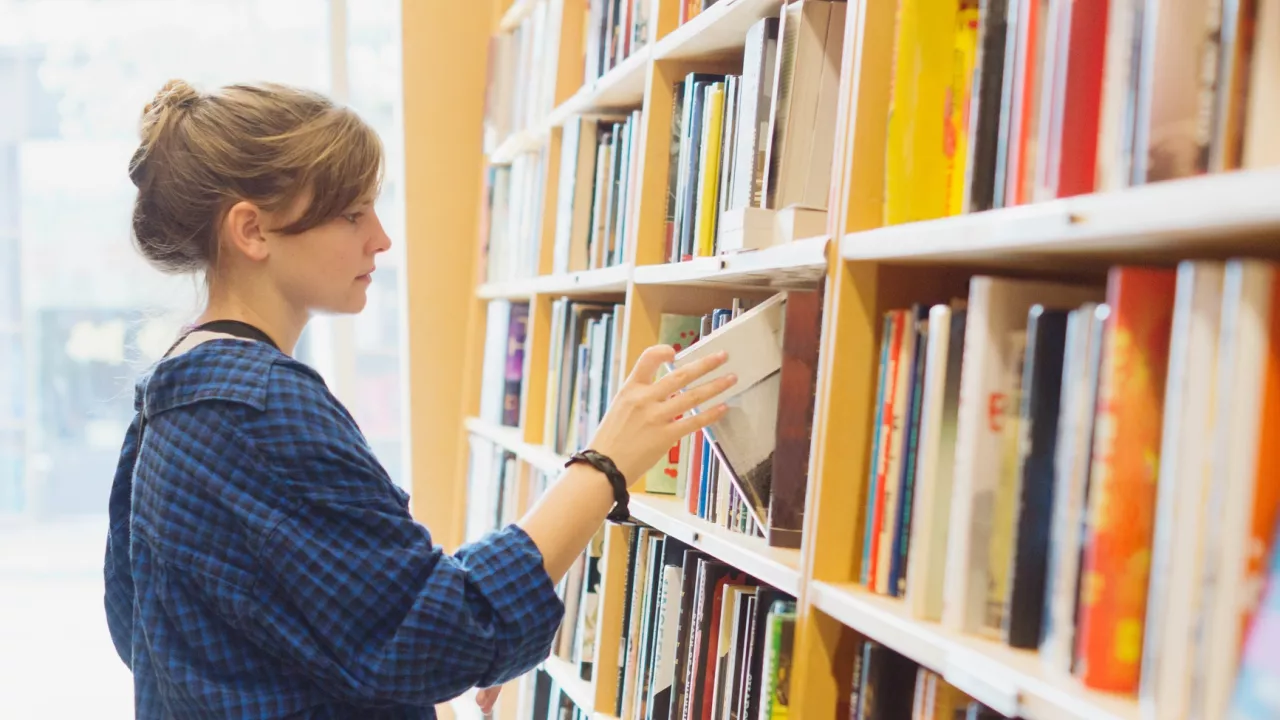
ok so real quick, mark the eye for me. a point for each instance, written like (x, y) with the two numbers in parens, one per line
(353, 217)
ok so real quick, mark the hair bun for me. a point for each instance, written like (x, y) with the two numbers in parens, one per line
(175, 95)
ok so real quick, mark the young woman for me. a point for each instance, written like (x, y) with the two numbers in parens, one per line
(260, 563)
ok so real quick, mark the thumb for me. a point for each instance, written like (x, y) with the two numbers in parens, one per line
(650, 361)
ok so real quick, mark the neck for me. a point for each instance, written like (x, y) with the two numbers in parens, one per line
(266, 311)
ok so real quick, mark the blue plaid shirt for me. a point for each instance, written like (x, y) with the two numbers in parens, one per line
(261, 564)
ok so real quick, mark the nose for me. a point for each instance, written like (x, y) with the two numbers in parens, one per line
(381, 240)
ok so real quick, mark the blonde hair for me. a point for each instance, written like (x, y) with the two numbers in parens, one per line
(268, 144)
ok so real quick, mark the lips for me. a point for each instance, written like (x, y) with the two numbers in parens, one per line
(366, 276)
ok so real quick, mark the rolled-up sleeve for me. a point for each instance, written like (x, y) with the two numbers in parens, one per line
(357, 595)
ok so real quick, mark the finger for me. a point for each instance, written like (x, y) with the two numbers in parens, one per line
(692, 423)
(679, 379)
(681, 403)
(650, 361)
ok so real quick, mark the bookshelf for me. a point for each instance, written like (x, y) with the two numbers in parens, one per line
(866, 269)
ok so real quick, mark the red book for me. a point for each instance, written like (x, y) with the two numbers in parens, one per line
(1082, 102)
(1122, 486)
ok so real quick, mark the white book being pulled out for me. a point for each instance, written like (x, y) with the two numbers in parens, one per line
(744, 438)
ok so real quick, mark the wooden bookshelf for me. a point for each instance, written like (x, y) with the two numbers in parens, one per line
(566, 676)
(779, 567)
(1207, 216)
(1010, 681)
(800, 264)
(866, 269)
(586, 282)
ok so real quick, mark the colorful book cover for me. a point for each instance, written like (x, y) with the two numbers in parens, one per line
(1126, 459)
(955, 134)
(678, 331)
(887, 436)
(709, 172)
(517, 330)
(1266, 489)
(1255, 696)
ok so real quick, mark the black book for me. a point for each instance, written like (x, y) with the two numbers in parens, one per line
(985, 106)
(1041, 393)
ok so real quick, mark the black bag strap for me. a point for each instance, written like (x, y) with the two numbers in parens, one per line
(237, 328)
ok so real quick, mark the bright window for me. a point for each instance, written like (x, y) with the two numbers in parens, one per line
(81, 314)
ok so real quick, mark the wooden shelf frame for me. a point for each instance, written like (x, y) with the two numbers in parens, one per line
(1010, 681)
(867, 269)
(779, 567)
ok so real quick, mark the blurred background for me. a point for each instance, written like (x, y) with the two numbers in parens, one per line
(82, 315)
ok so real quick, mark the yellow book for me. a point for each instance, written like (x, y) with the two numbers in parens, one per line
(901, 108)
(955, 141)
(935, 28)
(916, 168)
(709, 172)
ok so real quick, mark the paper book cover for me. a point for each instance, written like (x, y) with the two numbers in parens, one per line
(935, 458)
(1008, 424)
(1126, 457)
(744, 438)
(996, 308)
(1170, 648)
(802, 334)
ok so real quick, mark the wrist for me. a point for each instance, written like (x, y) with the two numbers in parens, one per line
(615, 480)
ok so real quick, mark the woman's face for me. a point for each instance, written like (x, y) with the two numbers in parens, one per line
(328, 268)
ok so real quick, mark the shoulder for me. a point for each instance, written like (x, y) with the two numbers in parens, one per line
(232, 370)
(279, 410)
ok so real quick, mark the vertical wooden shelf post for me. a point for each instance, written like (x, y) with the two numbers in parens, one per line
(443, 114)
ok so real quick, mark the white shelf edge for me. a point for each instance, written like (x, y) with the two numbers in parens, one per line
(770, 266)
(509, 439)
(972, 664)
(614, 278)
(580, 691)
(676, 44)
(597, 95)
(1209, 210)
(518, 143)
(519, 10)
(751, 555)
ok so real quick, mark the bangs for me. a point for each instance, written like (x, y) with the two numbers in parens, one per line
(340, 163)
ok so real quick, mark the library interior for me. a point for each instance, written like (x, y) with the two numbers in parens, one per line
(892, 513)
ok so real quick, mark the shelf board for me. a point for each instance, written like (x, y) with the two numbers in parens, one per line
(515, 14)
(718, 30)
(799, 264)
(586, 282)
(517, 144)
(539, 456)
(779, 567)
(565, 673)
(1012, 682)
(622, 87)
(1207, 216)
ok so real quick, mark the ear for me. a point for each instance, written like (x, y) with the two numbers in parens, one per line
(243, 231)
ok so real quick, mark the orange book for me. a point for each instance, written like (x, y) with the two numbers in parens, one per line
(1266, 489)
(1122, 485)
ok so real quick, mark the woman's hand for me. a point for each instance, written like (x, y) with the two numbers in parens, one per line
(487, 698)
(646, 417)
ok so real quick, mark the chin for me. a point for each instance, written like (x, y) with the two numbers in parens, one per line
(350, 305)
